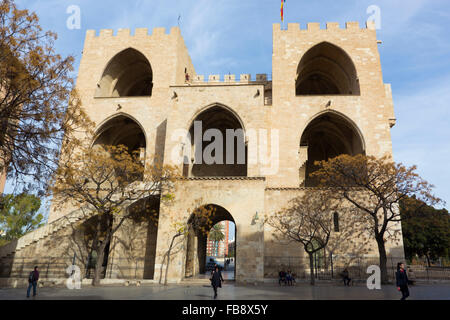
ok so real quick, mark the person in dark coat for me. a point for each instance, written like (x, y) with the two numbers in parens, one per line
(281, 277)
(32, 281)
(220, 274)
(345, 277)
(216, 280)
(402, 280)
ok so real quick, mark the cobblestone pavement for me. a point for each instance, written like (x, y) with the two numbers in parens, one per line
(231, 292)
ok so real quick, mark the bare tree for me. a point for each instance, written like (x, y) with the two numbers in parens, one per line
(108, 181)
(375, 186)
(308, 221)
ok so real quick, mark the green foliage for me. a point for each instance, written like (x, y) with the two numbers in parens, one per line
(426, 230)
(18, 216)
(216, 233)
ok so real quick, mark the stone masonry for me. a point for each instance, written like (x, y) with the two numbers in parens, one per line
(326, 89)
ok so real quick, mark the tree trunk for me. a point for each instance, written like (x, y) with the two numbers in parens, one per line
(311, 268)
(383, 260)
(168, 259)
(99, 263)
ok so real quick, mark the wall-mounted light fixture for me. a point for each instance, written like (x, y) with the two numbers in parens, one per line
(255, 218)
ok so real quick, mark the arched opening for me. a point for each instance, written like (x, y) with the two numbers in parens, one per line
(94, 231)
(122, 130)
(217, 145)
(211, 241)
(137, 238)
(326, 69)
(327, 136)
(128, 74)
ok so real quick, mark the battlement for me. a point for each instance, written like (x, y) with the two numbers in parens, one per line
(231, 79)
(126, 33)
(330, 26)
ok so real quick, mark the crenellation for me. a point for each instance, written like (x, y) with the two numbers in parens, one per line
(333, 26)
(214, 78)
(90, 34)
(141, 32)
(294, 27)
(313, 26)
(245, 77)
(261, 77)
(159, 31)
(104, 33)
(175, 31)
(353, 25)
(370, 25)
(199, 78)
(123, 32)
(230, 78)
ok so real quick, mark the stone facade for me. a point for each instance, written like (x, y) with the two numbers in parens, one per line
(339, 66)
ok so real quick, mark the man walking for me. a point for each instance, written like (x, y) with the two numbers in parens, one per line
(32, 280)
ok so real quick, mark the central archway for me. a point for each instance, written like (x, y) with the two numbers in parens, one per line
(196, 263)
(218, 146)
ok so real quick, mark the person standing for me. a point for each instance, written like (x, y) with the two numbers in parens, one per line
(216, 279)
(346, 278)
(402, 280)
(32, 281)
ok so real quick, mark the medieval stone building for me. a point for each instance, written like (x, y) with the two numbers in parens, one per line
(325, 97)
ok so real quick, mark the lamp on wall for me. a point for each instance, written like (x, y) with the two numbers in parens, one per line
(255, 218)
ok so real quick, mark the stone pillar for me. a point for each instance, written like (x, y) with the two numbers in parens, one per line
(250, 251)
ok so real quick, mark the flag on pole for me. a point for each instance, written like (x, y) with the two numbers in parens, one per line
(282, 9)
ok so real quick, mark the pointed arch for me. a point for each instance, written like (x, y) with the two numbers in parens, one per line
(327, 135)
(121, 128)
(197, 239)
(231, 158)
(127, 74)
(326, 69)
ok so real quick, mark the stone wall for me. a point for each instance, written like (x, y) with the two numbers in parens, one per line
(139, 248)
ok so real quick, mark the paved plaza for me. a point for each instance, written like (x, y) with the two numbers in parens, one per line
(230, 291)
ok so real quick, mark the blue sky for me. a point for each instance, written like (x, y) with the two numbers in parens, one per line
(235, 36)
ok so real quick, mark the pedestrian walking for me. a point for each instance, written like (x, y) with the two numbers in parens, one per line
(402, 280)
(216, 280)
(32, 281)
(220, 274)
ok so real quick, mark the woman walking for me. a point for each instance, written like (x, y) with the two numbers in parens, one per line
(402, 280)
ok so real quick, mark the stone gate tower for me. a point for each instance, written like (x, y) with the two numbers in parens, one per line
(325, 97)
